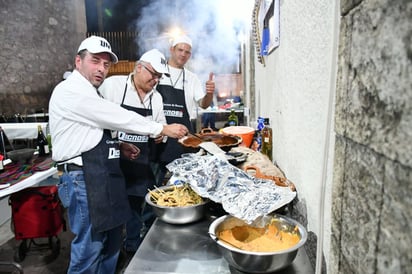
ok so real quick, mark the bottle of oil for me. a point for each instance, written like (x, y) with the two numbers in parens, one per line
(267, 139)
(233, 120)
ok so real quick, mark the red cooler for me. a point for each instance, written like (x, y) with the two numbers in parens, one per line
(36, 213)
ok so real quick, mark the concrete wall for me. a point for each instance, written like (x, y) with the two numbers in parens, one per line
(362, 51)
(293, 88)
(372, 216)
(38, 42)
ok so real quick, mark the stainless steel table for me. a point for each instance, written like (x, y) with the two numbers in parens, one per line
(188, 249)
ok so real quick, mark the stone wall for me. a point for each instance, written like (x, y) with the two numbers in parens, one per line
(38, 43)
(372, 216)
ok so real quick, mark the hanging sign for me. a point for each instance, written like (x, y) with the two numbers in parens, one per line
(269, 18)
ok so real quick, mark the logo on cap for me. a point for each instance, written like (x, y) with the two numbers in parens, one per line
(105, 44)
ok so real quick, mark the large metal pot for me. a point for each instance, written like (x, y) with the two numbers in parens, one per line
(179, 214)
(256, 262)
(225, 141)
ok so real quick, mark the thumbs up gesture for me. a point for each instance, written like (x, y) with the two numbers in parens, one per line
(210, 84)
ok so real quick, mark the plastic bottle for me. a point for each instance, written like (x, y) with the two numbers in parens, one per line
(1, 163)
(42, 144)
(267, 139)
(233, 120)
(2, 150)
(257, 138)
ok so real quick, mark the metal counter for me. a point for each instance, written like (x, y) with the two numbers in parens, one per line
(188, 249)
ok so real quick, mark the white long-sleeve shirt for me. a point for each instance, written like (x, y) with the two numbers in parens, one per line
(113, 89)
(78, 115)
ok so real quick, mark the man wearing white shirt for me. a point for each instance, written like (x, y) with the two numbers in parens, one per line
(136, 92)
(182, 93)
(92, 186)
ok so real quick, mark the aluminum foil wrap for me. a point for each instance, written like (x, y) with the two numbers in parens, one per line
(240, 194)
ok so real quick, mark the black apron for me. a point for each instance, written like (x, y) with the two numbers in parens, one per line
(138, 174)
(105, 185)
(174, 106)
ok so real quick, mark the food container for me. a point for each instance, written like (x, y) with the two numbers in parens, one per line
(253, 261)
(225, 141)
(21, 155)
(280, 181)
(246, 133)
(177, 214)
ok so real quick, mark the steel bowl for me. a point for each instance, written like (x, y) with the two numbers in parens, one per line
(177, 215)
(21, 155)
(256, 262)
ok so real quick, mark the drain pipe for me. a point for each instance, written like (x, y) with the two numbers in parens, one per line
(332, 88)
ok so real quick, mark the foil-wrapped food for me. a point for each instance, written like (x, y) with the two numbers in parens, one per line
(240, 194)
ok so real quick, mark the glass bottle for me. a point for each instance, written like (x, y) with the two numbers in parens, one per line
(18, 118)
(42, 144)
(48, 137)
(233, 120)
(267, 139)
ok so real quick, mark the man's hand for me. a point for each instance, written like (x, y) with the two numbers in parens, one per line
(210, 89)
(174, 131)
(129, 151)
(210, 84)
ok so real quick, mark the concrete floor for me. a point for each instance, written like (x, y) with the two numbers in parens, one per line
(39, 259)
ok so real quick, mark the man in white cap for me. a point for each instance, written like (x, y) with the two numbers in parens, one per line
(136, 92)
(92, 186)
(182, 93)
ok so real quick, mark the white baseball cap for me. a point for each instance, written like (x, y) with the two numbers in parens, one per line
(182, 39)
(97, 44)
(157, 60)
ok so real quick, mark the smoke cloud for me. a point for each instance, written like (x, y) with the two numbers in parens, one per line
(215, 27)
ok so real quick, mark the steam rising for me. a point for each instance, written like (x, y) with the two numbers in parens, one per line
(214, 27)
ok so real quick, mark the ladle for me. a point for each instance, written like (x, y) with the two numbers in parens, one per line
(214, 237)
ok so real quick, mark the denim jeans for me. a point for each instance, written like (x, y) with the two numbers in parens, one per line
(91, 251)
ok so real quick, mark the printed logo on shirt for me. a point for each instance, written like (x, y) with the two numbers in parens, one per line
(112, 142)
(172, 105)
(173, 113)
(123, 136)
(113, 153)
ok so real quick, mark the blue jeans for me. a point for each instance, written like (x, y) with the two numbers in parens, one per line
(91, 251)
